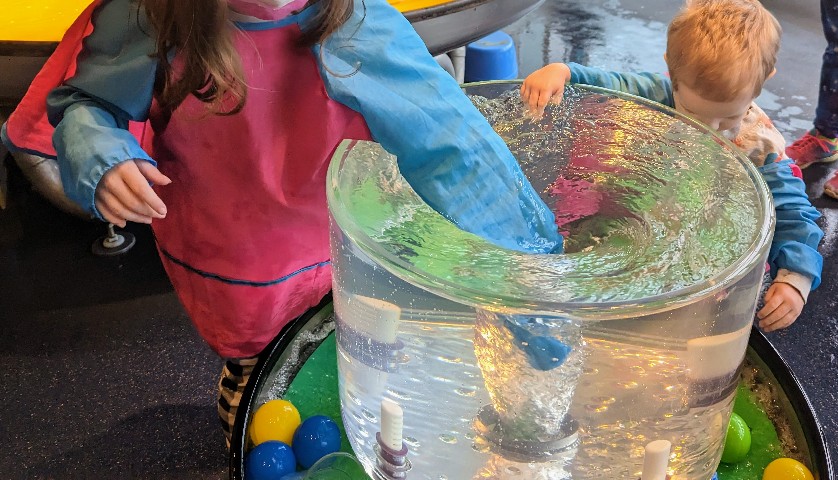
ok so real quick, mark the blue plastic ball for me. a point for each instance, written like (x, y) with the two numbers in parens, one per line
(715, 476)
(269, 460)
(316, 437)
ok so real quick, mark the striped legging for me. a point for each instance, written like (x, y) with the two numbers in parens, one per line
(234, 377)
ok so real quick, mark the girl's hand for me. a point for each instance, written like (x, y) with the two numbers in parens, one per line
(783, 304)
(544, 86)
(124, 193)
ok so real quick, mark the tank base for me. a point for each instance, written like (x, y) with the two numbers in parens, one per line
(490, 429)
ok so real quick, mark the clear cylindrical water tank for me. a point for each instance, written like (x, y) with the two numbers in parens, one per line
(509, 365)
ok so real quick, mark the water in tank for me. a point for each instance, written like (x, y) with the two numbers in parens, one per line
(517, 366)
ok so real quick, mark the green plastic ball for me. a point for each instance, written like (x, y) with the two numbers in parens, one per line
(737, 441)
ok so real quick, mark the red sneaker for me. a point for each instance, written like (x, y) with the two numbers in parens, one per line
(813, 148)
(830, 188)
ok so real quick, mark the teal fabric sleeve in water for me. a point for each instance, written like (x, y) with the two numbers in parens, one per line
(377, 65)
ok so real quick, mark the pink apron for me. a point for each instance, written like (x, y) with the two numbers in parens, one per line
(245, 240)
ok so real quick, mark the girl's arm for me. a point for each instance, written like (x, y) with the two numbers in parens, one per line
(377, 65)
(112, 85)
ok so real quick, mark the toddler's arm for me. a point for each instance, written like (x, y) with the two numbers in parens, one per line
(793, 257)
(549, 83)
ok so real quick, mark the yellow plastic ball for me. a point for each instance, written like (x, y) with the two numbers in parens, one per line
(786, 469)
(275, 420)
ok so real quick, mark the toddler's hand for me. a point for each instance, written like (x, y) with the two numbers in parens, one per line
(124, 193)
(543, 86)
(783, 304)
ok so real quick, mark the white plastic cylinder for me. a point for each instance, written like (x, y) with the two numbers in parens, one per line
(392, 424)
(656, 460)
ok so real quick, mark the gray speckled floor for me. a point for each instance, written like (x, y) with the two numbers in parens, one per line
(103, 377)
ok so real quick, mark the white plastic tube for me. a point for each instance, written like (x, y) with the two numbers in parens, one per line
(458, 60)
(717, 355)
(392, 424)
(656, 460)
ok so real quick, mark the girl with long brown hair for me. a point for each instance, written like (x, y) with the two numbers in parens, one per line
(244, 103)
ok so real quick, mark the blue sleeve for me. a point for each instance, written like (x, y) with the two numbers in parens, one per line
(652, 86)
(378, 66)
(113, 84)
(796, 235)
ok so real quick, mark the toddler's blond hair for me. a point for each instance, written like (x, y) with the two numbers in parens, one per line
(722, 48)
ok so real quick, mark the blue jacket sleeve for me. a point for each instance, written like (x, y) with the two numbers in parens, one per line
(377, 65)
(113, 84)
(796, 235)
(652, 86)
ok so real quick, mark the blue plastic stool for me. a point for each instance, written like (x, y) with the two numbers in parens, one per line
(492, 57)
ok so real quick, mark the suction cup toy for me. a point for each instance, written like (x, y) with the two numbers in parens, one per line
(336, 466)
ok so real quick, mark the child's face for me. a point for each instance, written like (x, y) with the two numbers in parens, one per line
(721, 116)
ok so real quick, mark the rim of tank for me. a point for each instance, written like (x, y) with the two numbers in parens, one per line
(277, 352)
(793, 400)
(604, 310)
(760, 351)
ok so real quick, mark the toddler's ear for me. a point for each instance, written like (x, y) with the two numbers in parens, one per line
(772, 73)
(666, 73)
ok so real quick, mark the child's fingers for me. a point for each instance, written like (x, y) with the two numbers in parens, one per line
(557, 97)
(124, 191)
(769, 321)
(120, 209)
(543, 99)
(531, 98)
(141, 191)
(525, 93)
(109, 215)
(111, 188)
(151, 173)
(771, 303)
(780, 323)
(769, 295)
